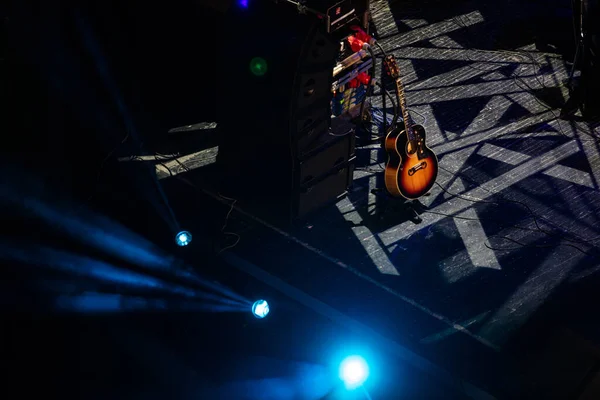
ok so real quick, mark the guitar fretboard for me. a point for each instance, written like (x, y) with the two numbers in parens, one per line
(394, 72)
(408, 123)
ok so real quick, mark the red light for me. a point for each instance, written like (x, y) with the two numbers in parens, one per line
(355, 43)
(360, 34)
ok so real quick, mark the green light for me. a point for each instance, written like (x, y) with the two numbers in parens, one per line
(258, 66)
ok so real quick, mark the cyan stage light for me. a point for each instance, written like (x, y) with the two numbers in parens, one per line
(183, 238)
(260, 308)
(354, 371)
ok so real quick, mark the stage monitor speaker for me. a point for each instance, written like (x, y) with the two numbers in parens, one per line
(275, 117)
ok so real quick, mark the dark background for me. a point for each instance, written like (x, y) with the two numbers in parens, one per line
(85, 84)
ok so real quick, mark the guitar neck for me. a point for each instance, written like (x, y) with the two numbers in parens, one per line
(408, 122)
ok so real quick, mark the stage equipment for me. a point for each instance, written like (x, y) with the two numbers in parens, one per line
(280, 152)
(334, 14)
(586, 22)
(354, 371)
(183, 238)
(353, 76)
(412, 167)
(260, 308)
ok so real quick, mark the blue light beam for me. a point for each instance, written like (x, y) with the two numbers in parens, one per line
(112, 238)
(77, 265)
(94, 302)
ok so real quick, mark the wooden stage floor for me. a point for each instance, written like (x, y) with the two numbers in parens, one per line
(508, 237)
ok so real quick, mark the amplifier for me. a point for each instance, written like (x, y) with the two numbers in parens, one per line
(336, 14)
(325, 173)
(331, 188)
(332, 152)
(281, 154)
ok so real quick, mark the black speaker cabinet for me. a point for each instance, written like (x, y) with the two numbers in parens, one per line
(324, 173)
(276, 149)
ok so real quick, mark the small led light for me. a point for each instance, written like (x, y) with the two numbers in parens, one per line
(183, 238)
(260, 308)
(258, 66)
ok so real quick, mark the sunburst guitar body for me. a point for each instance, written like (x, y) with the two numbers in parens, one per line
(412, 168)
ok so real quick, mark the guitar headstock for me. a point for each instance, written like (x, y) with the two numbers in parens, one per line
(391, 67)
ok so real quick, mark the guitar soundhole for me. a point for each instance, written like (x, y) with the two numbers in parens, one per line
(411, 148)
(309, 89)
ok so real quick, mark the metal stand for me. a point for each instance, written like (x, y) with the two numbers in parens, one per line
(579, 32)
(404, 206)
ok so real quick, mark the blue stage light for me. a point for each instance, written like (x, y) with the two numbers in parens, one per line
(354, 371)
(183, 238)
(260, 308)
(243, 3)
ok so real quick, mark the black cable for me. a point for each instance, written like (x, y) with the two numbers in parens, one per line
(182, 165)
(233, 202)
(369, 88)
(380, 48)
(516, 77)
(589, 241)
(524, 245)
(396, 106)
(388, 94)
(532, 215)
(529, 90)
(362, 103)
(371, 170)
(163, 165)
(396, 111)
(413, 111)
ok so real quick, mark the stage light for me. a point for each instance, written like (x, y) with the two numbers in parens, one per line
(243, 3)
(258, 66)
(260, 308)
(354, 371)
(183, 238)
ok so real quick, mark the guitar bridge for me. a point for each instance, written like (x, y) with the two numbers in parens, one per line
(413, 170)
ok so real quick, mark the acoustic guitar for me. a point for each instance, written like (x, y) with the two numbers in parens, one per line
(412, 167)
